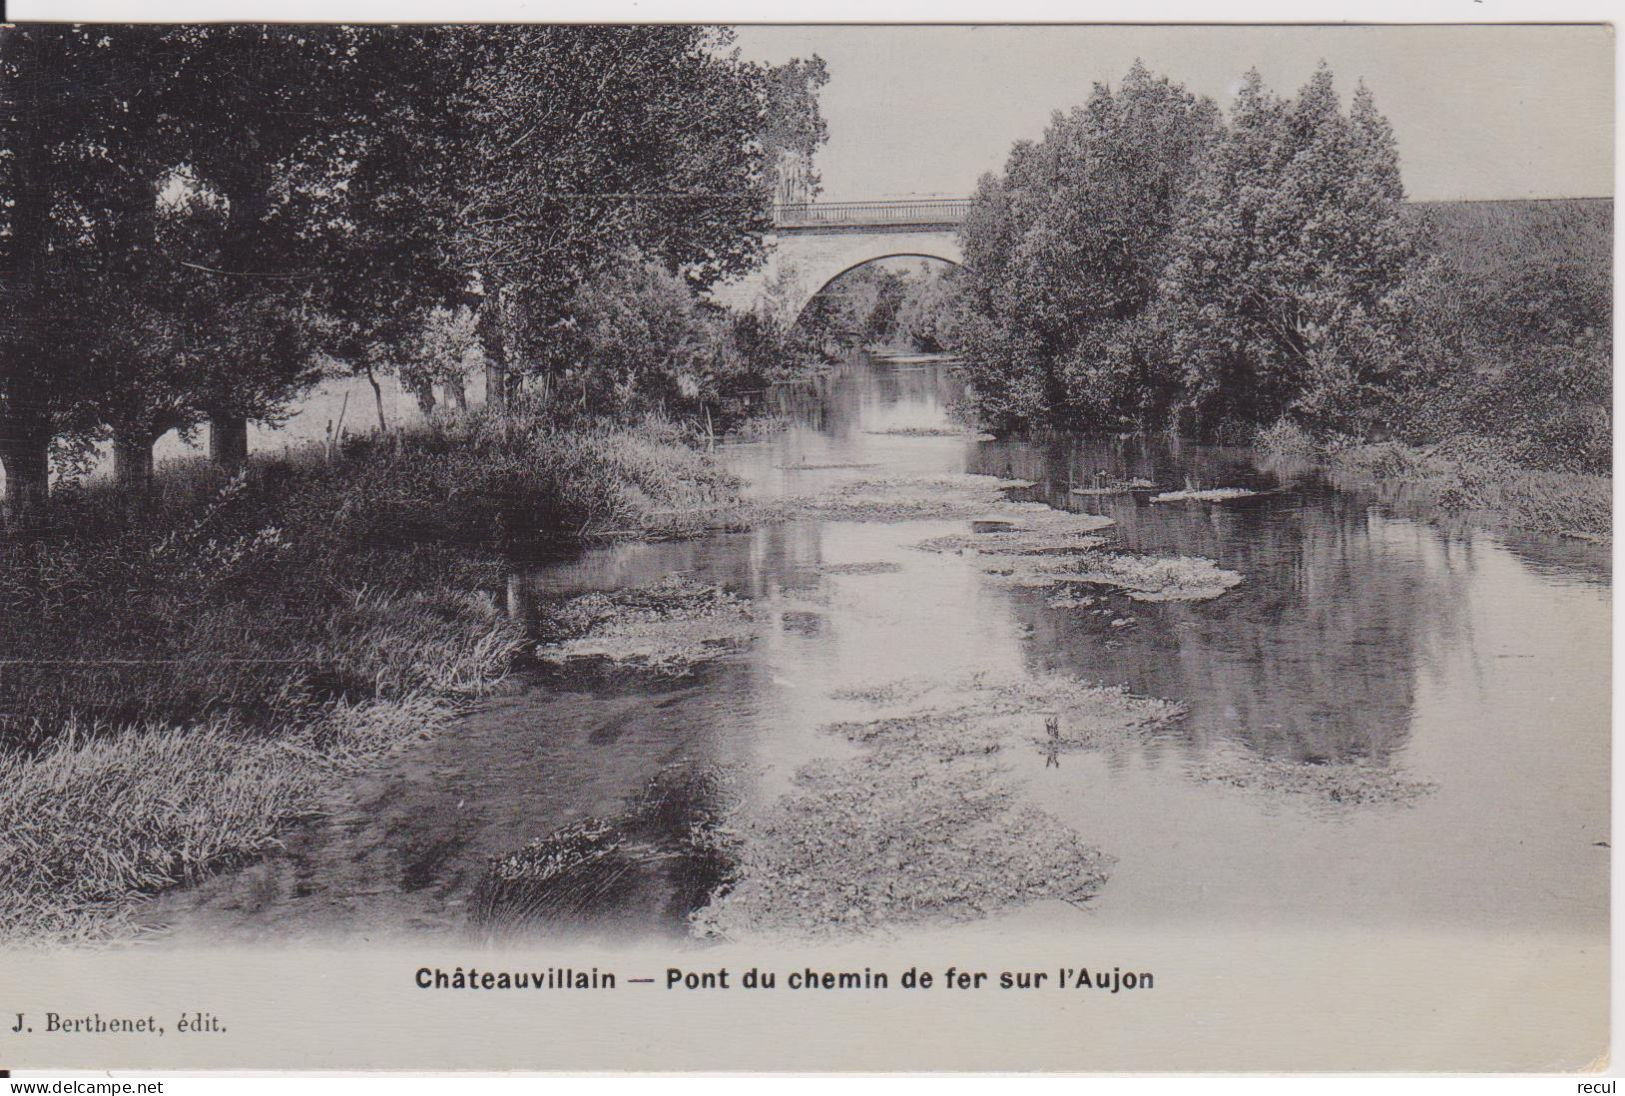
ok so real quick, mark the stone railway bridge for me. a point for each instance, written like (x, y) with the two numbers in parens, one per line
(813, 244)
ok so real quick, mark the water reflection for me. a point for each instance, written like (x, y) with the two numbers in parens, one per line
(1359, 634)
(1312, 658)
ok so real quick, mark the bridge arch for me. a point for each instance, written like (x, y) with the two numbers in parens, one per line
(814, 245)
(839, 274)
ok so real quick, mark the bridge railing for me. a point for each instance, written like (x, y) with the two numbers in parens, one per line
(925, 211)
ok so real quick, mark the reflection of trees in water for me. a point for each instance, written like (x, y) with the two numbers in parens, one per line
(1313, 658)
(752, 564)
(833, 403)
(1569, 558)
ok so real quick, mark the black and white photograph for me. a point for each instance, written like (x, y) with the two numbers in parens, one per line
(1113, 520)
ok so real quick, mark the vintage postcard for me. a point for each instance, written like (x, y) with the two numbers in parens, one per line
(599, 547)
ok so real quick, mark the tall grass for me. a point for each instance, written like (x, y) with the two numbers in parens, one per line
(181, 674)
(1466, 474)
(97, 818)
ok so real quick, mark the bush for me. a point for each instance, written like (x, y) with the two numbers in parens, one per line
(636, 341)
(1515, 332)
(1286, 440)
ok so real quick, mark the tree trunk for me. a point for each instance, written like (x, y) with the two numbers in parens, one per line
(228, 440)
(132, 462)
(248, 201)
(496, 384)
(457, 393)
(491, 331)
(25, 453)
(25, 424)
(425, 398)
(378, 399)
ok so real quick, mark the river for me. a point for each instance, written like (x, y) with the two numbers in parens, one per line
(1472, 666)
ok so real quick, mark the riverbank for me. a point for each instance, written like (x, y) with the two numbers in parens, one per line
(1468, 476)
(909, 651)
(189, 673)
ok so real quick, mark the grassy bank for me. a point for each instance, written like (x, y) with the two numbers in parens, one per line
(185, 674)
(1508, 419)
(1466, 475)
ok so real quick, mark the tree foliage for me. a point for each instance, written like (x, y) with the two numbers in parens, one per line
(881, 303)
(69, 116)
(1288, 289)
(633, 340)
(1067, 245)
(200, 216)
(1148, 262)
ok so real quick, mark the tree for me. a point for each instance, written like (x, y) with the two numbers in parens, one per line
(1287, 286)
(195, 217)
(443, 354)
(143, 371)
(633, 338)
(1066, 247)
(75, 219)
(794, 129)
(383, 188)
(930, 317)
(296, 225)
(279, 123)
(565, 144)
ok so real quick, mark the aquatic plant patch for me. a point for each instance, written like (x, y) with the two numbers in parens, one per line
(886, 692)
(1349, 783)
(872, 567)
(1118, 487)
(901, 498)
(671, 830)
(564, 873)
(857, 847)
(1031, 530)
(1212, 494)
(1151, 578)
(998, 710)
(923, 824)
(666, 627)
(1045, 550)
(757, 427)
(1071, 599)
(925, 432)
(808, 466)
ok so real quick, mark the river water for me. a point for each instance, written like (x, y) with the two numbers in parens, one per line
(1458, 658)
(1361, 632)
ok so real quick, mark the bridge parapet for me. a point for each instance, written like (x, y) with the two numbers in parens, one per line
(815, 216)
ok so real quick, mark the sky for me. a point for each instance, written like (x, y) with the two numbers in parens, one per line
(1478, 111)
